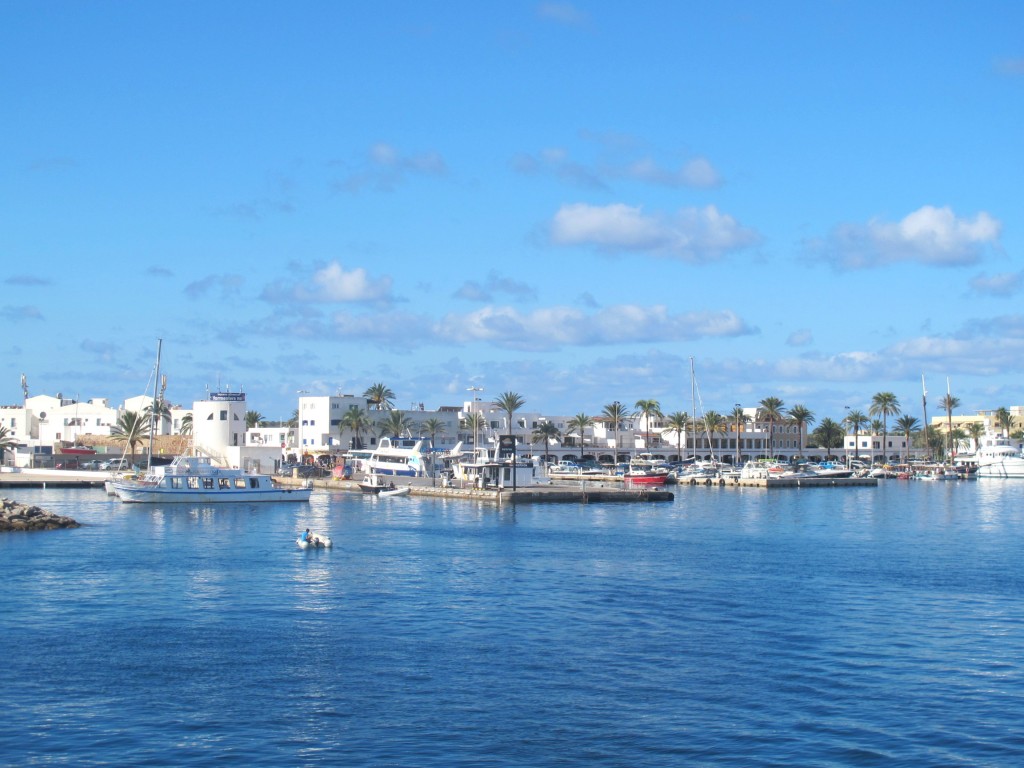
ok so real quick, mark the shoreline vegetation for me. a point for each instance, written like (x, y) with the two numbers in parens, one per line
(24, 517)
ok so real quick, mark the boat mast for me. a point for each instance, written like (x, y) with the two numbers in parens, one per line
(924, 410)
(153, 412)
(693, 408)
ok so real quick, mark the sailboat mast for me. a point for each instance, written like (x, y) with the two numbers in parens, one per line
(153, 416)
(924, 410)
(693, 407)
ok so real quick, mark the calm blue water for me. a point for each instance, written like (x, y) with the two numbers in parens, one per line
(821, 627)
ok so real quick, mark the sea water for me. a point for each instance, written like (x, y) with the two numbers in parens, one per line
(838, 626)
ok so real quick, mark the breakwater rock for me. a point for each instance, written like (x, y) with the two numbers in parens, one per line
(22, 517)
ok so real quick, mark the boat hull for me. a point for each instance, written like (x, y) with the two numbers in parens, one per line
(169, 496)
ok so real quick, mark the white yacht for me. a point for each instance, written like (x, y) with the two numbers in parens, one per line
(999, 457)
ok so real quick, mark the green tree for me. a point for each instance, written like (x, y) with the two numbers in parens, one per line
(976, 431)
(713, 423)
(579, 424)
(131, 429)
(907, 424)
(509, 402)
(884, 404)
(615, 415)
(380, 397)
(855, 421)
(678, 422)
(545, 432)
(293, 422)
(802, 417)
(253, 419)
(356, 420)
(186, 425)
(829, 434)
(157, 414)
(770, 409)
(948, 403)
(1004, 420)
(7, 442)
(738, 417)
(648, 409)
(395, 424)
(432, 427)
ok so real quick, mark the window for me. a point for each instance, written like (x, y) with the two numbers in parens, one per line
(223, 415)
(175, 482)
(224, 484)
(208, 483)
(253, 482)
(193, 482)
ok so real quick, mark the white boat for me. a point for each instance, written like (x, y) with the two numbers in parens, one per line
(195, 479)
(999, 458)
(404, 459)
(314, 541)
(403, 491)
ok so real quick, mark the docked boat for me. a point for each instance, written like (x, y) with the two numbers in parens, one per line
(403, 491)
(399, 457)
(374, 483)
(999, 458)
(195, 479)
(313, 540)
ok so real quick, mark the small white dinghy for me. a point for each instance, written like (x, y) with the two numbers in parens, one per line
(403, 491)
(314, 541)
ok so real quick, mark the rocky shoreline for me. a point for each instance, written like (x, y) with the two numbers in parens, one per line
(23, 517)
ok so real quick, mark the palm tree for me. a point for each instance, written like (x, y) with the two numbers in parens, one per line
(975, 429)
(739, 418)
(131, 428)
(509, 402)
(648, 409)
(713, 423)
(678, 422)
(770, 409)
(186, 424)
(395, 423)
(948, 403)
(380, 396)
(433, 427)
(157, 414)
(546, 431)
(356, 420)
(907, 424)
(614, 414)
(855, 421)
(828, 435)
(802, 417)
(293, 422)
(253, 419)
(1004, 420)
(884, 404)
(579, 424)
(6, 441)
(474, 423)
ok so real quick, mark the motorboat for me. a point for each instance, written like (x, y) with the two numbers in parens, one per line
(196, 479)
(376, 484)
(314, 541)
(403, 491)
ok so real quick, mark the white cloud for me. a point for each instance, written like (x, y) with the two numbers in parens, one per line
(554, 327)
(929, 235)
(696, 172)
(384, 168)
(564, 13)
(691, 234)
(800, 338)
(334, 284)
(473, 290)
(1005, 284)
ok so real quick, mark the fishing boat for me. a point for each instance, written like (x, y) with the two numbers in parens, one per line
(195, 479)
(374, 483)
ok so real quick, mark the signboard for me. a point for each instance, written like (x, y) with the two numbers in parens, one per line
(506, 446)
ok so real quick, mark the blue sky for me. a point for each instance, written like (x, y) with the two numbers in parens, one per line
(815, 201)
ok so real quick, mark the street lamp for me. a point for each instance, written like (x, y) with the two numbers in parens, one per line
(476, 417)
(615, 460)
(739, 412)
(846, 426)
